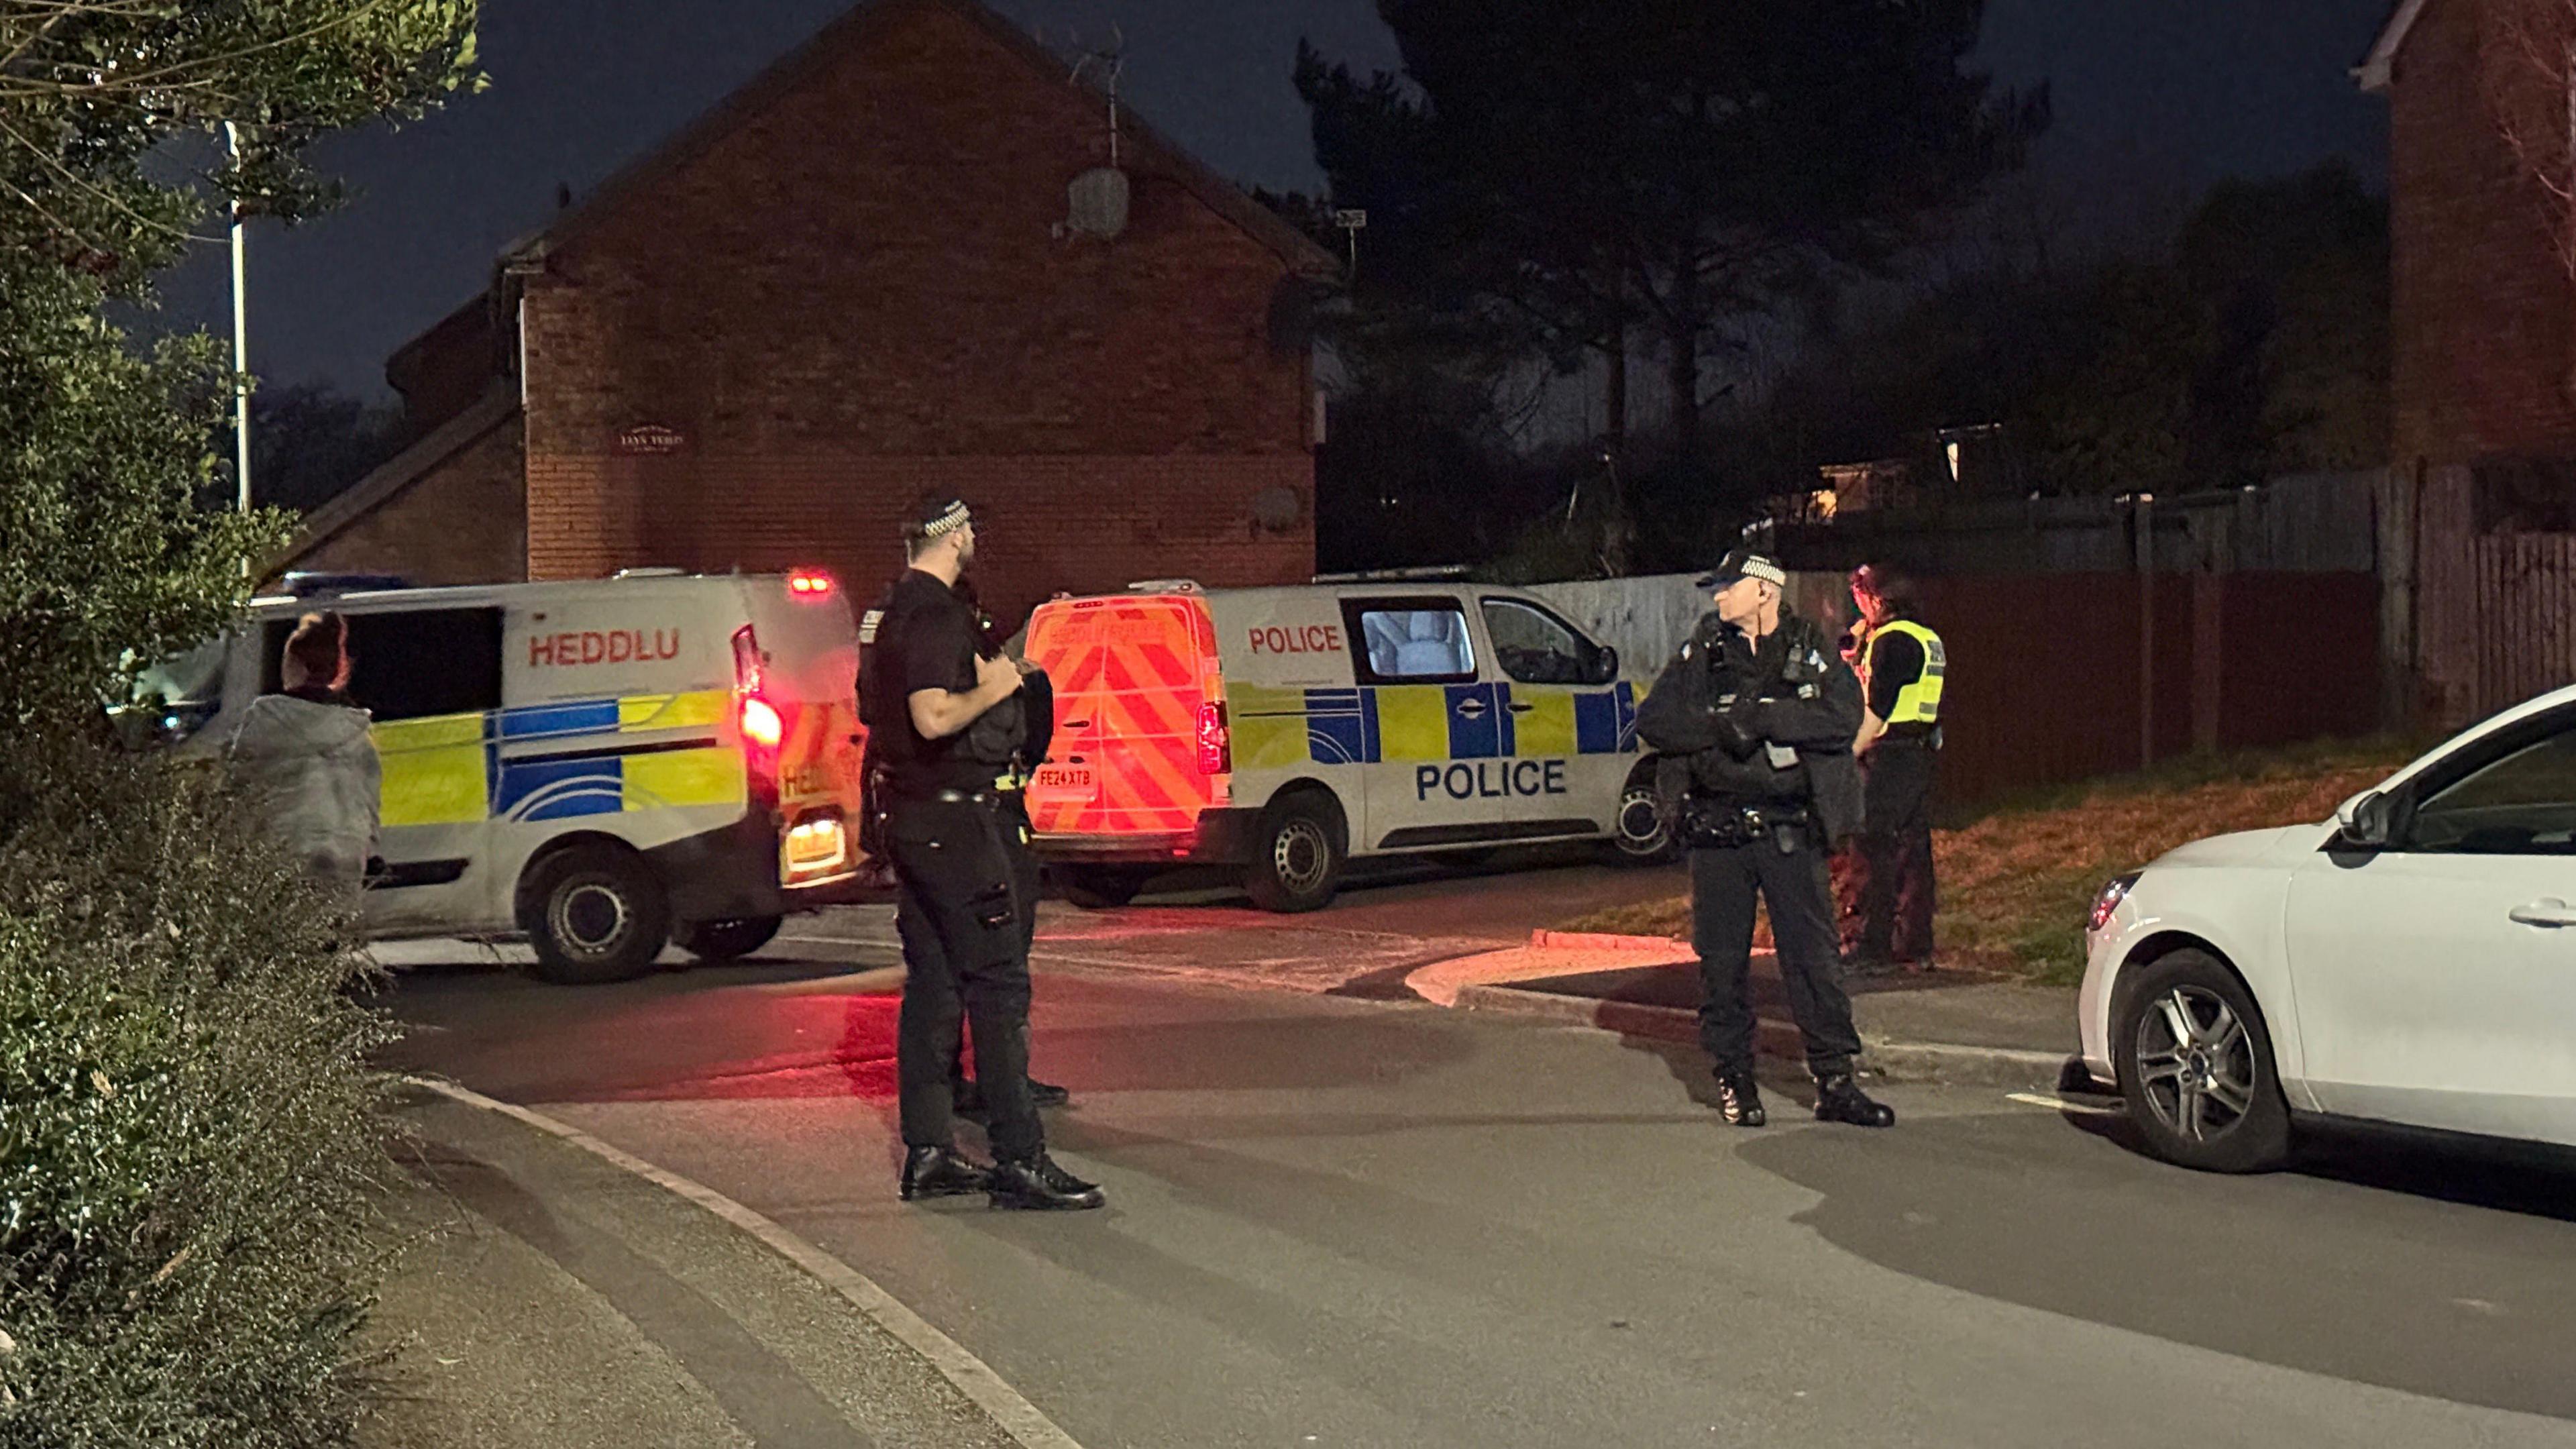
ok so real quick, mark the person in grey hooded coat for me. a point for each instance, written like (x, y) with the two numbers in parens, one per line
(304, 761)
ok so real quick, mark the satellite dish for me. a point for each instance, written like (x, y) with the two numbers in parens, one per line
(1277, 509)
(1098, 201)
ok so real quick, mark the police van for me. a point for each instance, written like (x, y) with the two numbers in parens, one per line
(1286, 731)
(605, 766)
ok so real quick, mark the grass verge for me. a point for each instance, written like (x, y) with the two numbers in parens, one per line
(2017, 878)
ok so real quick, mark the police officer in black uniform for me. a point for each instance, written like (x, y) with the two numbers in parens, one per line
(964, 871)
(1755, 718)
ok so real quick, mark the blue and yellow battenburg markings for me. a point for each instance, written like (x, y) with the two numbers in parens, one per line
(559, 761)
(1276, 728)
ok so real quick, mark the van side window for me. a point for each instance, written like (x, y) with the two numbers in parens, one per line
(1536, 647)
(1410, 641)
(413, 664)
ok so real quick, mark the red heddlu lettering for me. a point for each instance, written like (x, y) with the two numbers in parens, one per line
(594, 646)
(1298, 639)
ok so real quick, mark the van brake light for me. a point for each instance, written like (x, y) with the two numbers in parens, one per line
(1216, 744)
(760, 722)
(810, 585)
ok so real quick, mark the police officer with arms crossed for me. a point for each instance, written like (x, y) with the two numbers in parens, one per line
(1755, 718)
(1902, 668)
(963, 869)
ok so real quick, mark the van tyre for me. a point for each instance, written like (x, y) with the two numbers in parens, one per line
(596, 914)
(1100, 887)
(728, 940)
(1298, 854)
(1640, 835)
(2195, 1064)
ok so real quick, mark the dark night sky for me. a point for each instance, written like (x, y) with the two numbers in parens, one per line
(2149, 94)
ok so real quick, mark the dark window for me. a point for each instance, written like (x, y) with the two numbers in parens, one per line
(1534, 646)
(2520, 801)
(1410, 640)
(412, 664)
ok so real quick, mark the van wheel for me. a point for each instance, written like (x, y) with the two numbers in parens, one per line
(1298, 854)
(1639, 836)
(596, 914)
(728, 940)
(1100, 887)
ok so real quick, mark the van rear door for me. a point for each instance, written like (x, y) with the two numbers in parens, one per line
(1139, 733)
(808, 674)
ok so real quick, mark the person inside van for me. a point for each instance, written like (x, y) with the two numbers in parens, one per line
(303, 760)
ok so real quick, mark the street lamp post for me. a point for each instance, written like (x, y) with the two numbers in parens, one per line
(241, 338)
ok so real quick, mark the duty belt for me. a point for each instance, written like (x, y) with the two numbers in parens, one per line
(1715, 824)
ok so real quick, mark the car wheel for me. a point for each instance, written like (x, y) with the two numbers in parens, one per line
(728, 940)
(1640, 836)
(596, 914)
(2196, 1069)
(1100, 887)
(1299, 851)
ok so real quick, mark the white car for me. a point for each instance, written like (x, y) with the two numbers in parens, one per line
(2411, 962)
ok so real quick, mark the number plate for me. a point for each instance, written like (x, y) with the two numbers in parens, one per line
(1062, 780)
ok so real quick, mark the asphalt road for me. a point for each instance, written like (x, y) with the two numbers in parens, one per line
(1341, 1221)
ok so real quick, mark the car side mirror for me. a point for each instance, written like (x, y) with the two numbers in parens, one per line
(1605, 665)
(2368, 820)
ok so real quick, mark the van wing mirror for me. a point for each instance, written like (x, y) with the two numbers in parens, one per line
(2367, 820)
(1605, 665)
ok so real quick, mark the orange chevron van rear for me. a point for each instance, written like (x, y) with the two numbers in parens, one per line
(1140, 750)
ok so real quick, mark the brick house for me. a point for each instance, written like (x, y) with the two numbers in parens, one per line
(2478, 524)
(854, 281)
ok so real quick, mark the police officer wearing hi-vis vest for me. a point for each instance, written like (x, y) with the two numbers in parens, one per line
(962, 864)
(1902, 668)
(1754, 719)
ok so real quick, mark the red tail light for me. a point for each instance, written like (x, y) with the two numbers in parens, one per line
(1216, 743)
(810, 585)
(761, 725)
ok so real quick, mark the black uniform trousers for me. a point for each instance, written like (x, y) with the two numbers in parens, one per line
(969, 897)
(1894, 861)
(1724, 883)
(1016, 826)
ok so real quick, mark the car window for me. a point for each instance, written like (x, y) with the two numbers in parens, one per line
(175, 698)
(1535, 647)
(1412, 641)
(2522, 803)
(412, 664)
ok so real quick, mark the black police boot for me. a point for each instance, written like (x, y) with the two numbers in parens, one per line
(941, 1172)
(1840, 1099)
(1038, 1183)
(1739, 1101)
(970, 1097)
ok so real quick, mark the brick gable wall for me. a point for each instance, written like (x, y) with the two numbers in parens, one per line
(2484, 346)
(859, 294)
(464, 522)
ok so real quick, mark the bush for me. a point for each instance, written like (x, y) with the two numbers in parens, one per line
(188, 1130)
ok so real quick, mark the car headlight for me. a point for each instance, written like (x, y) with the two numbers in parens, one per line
(2116, 891)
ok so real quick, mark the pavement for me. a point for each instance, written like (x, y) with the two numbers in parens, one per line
(1939, 1025)
(1341, 1219)
(547, 1299)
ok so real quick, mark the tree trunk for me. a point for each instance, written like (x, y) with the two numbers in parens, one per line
(1684, 374)
(1618, 533)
